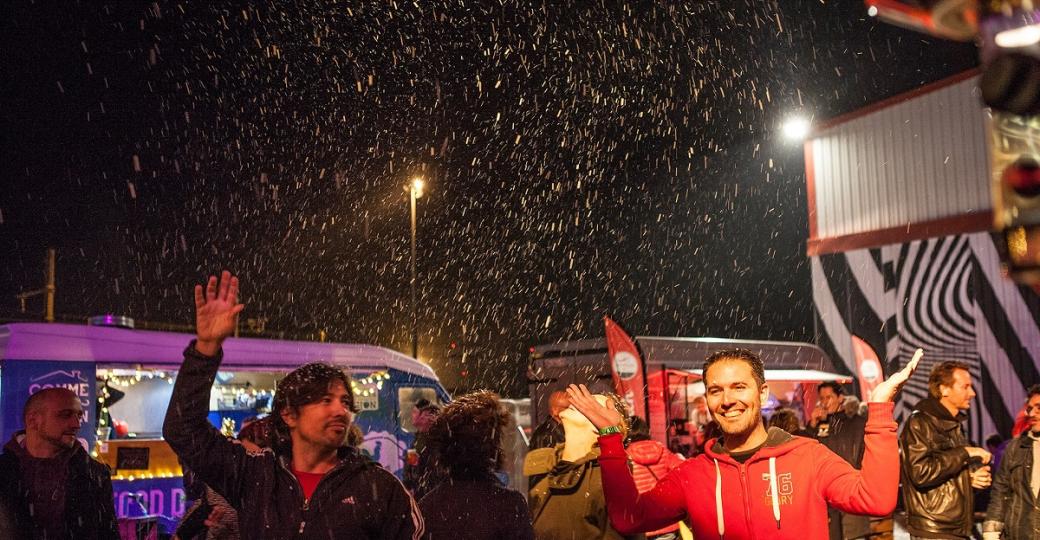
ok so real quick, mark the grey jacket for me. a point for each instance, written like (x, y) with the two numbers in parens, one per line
(1013, 509)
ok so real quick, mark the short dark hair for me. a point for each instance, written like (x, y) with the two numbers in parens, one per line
(425, 405)
(834, 386)
(304, 385)
(36, 401)
(1032, 391)
(639, 429)
(465, 440)
(942, 375)
(743, 355)
(785, 419)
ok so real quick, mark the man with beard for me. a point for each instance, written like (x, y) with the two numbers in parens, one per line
(311, 484)
(49, 486)
(760, 483)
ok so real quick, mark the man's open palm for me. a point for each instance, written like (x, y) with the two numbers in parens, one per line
(217, 308)
(888, 389)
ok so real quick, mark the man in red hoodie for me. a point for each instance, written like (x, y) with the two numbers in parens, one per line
(752, 483)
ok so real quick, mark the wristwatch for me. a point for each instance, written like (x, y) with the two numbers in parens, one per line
(609, 430)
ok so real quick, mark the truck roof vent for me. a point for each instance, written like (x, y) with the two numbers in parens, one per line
(117, 321)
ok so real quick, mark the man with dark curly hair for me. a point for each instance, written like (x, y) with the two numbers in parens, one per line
(464, 444)
(310, 484)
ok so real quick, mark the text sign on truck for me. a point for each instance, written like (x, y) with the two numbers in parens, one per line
(22, 378)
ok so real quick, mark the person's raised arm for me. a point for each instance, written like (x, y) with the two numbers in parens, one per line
(216, 313)
(215, 459)
(629, 511)
(874, 488)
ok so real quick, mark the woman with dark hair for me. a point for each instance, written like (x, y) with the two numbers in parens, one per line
(465, 444)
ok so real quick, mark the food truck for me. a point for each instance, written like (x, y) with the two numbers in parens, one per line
(673, 377)
(124, 379)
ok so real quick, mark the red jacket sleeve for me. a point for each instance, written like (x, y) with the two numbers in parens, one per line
(873, 489)
(631, 512)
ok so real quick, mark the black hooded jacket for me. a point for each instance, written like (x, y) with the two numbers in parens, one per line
(88, 512)
(936, 475)
(357, 499)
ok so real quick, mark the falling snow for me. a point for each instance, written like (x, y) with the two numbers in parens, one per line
(581, 159)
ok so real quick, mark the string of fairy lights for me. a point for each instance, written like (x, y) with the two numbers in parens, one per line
(369, 385)
(366, 386)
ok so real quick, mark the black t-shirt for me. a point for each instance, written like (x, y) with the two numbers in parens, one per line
(742, 457)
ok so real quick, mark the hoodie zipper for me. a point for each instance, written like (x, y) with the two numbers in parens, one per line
(747, 500)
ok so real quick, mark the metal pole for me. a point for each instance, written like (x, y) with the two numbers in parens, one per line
(415, 328)
(51, 252)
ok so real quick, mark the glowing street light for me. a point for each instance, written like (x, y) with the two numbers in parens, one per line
(796, 128)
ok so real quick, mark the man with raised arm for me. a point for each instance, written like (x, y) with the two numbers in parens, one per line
(310, 485)
(752, 482)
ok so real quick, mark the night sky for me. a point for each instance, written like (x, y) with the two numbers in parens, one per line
(581, 159)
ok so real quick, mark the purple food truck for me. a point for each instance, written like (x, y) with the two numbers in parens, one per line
(124, 378)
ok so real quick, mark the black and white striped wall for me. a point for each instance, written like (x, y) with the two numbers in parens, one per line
(945, 295)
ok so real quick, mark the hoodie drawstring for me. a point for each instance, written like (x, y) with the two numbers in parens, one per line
(718, 501)
(774, 490)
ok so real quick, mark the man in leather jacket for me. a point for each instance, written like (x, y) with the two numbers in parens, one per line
(939, 467)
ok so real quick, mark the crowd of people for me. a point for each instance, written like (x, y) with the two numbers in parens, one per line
(593, 472)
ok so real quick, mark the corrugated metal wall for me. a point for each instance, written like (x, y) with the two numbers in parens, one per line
(915, 161)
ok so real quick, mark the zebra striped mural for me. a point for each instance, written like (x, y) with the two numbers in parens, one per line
(946, 295)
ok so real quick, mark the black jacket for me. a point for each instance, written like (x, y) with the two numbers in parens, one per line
(356, 499)
(1013, 509)
(89, 511)
(475, 510)
(844, 436)
(935, 473)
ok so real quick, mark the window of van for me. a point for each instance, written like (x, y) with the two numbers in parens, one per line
(407, 397)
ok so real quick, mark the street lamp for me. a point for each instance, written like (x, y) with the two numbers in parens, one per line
(415, 190)
(796, 128)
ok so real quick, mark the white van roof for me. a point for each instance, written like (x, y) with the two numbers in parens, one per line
(151, 349)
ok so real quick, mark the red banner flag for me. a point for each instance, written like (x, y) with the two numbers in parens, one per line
(626, 367)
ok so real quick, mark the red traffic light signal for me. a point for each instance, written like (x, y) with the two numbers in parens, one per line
(1023, 177)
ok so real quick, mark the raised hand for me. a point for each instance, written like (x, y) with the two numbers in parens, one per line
(888, 389)
(216, 312)
(583, 400)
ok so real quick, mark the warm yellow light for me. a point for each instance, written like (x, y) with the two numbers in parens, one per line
(417, 186)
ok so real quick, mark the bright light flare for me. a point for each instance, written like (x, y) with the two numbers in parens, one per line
(796, 128)
(1023, 36)
(417, 186)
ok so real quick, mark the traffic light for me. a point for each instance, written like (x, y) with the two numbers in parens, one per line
(1016, 213)
(1008, 35)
